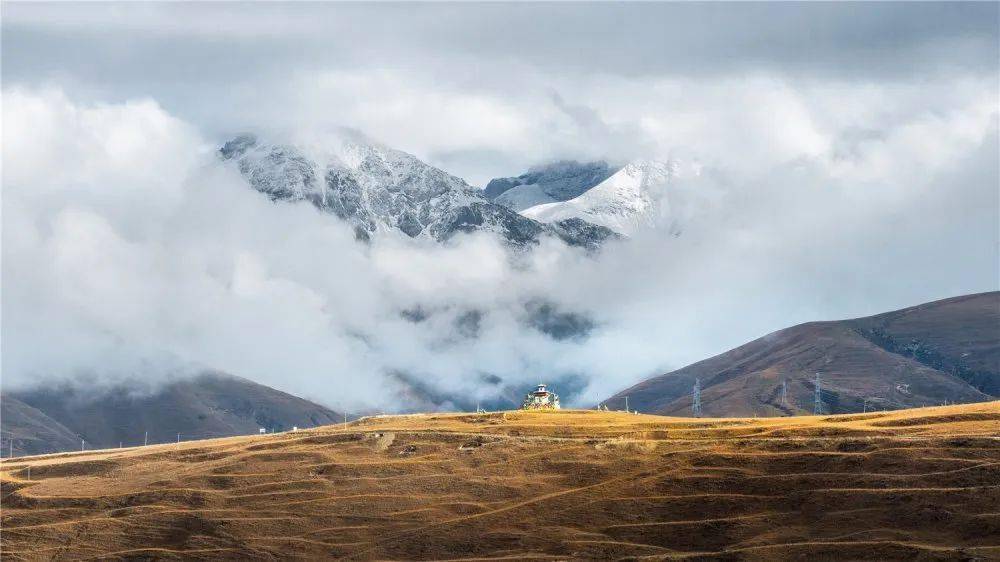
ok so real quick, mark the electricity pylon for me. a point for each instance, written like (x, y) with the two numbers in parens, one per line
(696, 399)
(818, 399)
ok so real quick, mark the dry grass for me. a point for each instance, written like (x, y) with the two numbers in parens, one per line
(917, 484)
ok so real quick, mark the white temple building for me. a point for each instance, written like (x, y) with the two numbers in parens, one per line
(541, 399)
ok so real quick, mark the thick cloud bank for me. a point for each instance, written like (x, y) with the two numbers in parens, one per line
(130, 249)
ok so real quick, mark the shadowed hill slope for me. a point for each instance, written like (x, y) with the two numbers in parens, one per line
(959, 336)
(31, 431)
(208, 405)
(916, 484)
(944, 351)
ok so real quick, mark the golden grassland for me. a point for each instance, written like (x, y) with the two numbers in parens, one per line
(919, 484)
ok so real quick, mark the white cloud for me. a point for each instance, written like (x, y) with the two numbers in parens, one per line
(848, 166)
(128, 248)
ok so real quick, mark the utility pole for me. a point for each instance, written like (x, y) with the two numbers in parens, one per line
(83, 444)
(178, 440)
(626, 404)
(818, 399)
(145, 439)
(696, 399)
(784, 393)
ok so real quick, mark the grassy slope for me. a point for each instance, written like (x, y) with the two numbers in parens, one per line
(31, 430)
(909, 484)
(917, 356)
(208, 405)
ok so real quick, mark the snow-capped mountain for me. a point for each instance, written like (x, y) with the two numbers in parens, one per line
(379, 189)
(631, 198)
(558, 181)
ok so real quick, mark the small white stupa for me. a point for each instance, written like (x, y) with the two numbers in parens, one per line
(541, 399)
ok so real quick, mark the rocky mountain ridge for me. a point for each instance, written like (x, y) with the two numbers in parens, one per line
(379, 189)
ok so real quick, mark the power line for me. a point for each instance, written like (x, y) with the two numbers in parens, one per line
(145, 440)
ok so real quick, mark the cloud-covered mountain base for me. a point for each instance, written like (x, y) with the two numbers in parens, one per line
(130, 250)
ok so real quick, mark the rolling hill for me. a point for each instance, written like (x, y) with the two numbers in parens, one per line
(908, 485)
(53, 419)
(31, 431)
(943, 351)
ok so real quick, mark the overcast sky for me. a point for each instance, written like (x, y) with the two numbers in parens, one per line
(484, 89)
(850, 149)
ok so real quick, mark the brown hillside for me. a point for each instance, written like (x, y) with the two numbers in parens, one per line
(208, 405)
(30, 431)
(917, 484)
(946, 351)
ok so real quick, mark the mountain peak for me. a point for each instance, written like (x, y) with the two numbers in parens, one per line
(380, 189)
(555, 181)
(624, 201)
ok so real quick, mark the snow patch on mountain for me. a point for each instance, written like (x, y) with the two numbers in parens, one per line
(558, 181)
(523, 197)
(634, 197)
